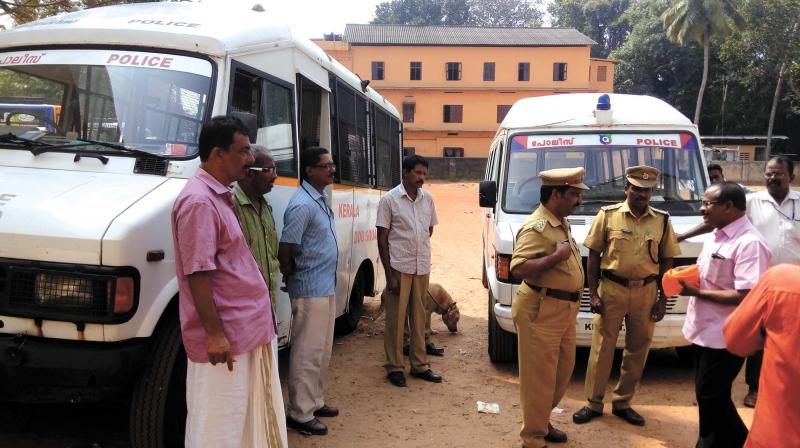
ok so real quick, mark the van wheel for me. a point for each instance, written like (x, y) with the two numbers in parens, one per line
(484, 277)
(158, 407)
(348, 322)
(502, 344)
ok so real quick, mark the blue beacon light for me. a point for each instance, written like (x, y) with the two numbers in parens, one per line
(604, 102)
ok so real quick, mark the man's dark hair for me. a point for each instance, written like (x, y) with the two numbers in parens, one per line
(218, 132)
(714, 167)
(411, 161)
(781, 159)
(310, 157)
(547, 190)
(731, 191)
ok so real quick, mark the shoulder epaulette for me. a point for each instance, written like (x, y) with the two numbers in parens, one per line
(540, 225)
(612, 207)
(658, 210)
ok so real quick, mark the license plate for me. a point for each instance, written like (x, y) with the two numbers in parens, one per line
(589, 326)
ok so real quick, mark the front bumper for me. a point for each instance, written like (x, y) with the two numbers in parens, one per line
(41, 370)
(668, 332)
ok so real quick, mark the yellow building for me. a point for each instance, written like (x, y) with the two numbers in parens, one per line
(454, 85)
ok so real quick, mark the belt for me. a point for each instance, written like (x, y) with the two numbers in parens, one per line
(556, 293)
(628, 282)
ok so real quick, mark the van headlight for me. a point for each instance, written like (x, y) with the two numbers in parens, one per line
(91, 293)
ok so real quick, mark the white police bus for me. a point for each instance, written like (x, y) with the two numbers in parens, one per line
(605, 134)
(88, 292)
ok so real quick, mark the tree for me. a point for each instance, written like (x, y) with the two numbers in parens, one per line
(23, 11)
(701, 21)
(598, 19)
(459, 12)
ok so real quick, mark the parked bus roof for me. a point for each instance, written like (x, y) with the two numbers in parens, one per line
(194, 27)
(577, 110)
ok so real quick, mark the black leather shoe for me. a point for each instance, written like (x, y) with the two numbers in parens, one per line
(584, 415)
(751, 398)
(313, 426)
(555, 435)
(630, 416)
(427, 375)
(326, 411)
(432, 349)
(397, 378)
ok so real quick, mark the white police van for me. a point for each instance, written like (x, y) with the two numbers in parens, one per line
(88, 291)
(605, 134)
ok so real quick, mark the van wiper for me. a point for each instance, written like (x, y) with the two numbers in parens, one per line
(116, 146)
(601, 201)
(32, 145)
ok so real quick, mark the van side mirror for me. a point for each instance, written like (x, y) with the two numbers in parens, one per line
(487, 193)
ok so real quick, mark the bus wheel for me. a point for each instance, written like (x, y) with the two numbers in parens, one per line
(502, 344)
(348, 322)
(158, 407)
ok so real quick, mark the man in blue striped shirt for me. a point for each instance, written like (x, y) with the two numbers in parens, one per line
(308, 255)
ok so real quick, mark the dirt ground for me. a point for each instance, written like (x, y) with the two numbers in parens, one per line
(377, 414)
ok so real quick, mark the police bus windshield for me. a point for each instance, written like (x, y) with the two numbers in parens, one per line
(605, 158)
(147, 101)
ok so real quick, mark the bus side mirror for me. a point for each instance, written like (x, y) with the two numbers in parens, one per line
(487, 193)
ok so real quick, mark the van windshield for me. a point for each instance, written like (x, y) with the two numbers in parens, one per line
(605, 158)
(144, 101)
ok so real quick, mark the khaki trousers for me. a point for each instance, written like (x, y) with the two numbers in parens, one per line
(409, 302)
(312, 342)
(634, 305)
(546, 343)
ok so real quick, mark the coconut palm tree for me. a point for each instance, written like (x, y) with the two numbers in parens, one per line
(700, 21)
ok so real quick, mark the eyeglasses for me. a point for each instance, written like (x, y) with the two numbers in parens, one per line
(769, 175)
(260, 169)
(707, 203)
(327, 166)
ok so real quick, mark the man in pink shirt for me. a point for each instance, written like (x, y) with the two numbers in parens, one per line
(730, 267)
(225, 311)
(768, 318)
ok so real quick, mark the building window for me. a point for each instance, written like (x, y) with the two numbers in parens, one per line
(377, 70)
(453, 113)
(524, 71)
(416, 71)
(601, 73)
(502, 110)
(559, 71)
(408, 112)
(488, 71)
(453, 71)
(409, 151)
(453, 152)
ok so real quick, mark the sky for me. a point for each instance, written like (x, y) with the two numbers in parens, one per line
(312, 18)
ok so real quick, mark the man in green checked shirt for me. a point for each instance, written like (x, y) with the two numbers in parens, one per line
(258, 226)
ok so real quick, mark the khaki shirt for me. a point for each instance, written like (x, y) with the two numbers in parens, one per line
(538, 238)
(632, 247)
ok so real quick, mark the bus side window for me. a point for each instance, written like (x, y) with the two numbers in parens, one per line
(270, 100)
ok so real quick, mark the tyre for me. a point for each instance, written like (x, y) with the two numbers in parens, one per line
(484, 277)
(502, 344)
(158, 407)
(348, 322)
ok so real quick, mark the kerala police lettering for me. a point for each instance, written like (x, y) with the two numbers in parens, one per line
(529, 142)
(165, 23)
(140, 60)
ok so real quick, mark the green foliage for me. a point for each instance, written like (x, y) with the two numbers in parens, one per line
(599, 19)
(459, 12)
(700, 20)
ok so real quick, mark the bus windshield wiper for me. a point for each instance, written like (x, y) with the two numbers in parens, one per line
(32, 145)
(116, 146)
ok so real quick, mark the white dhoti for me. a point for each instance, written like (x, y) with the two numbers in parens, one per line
(235, 409)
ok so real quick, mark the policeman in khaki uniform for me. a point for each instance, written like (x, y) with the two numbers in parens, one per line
(546, 257)
(637, 244)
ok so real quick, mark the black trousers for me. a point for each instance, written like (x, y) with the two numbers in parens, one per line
(752, 369)
(720, 424)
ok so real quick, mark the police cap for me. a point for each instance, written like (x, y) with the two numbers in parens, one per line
(557, 177)
(642, 176)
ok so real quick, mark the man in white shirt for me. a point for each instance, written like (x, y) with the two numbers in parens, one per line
(775, 213)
